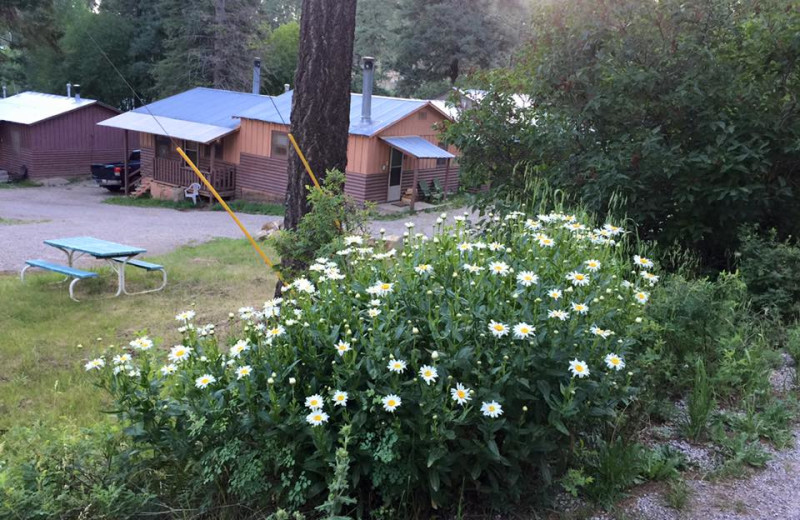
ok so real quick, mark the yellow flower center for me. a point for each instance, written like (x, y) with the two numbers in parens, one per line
(579, 277)
(498, 327)
(340, 398)
(318, 417)
(578, 368)
(461, 394)
(615, 361)
(491, 408)
(385, 286)
(391, 402)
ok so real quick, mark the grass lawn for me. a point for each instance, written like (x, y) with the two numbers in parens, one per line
(46, 337)
(238, 206)
(18, 184)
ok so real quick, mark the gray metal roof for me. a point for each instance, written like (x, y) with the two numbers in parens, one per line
(29, 108)
(385, 112)
(200, 114)
(418, 147)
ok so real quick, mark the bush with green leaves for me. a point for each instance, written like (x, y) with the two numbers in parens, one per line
(464, 366)
(771, 269)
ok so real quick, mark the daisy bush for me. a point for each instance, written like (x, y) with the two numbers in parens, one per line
(466, 364)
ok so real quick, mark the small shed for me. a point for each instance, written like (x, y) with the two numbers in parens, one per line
(46, 135)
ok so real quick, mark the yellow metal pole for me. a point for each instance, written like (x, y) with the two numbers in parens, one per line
(310, 173)
(228, 209)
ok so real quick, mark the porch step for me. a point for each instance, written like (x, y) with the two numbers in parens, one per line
(144, 187)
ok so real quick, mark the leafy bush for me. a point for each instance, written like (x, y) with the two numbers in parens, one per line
(771, 270)
(701, 402)
(466, 365)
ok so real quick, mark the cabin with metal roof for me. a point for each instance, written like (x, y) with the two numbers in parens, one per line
(201, 121)
(393, 147)
(46, 135)
(240, 142)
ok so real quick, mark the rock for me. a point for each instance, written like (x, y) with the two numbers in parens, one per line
(4, 176)
(54, 181)
(269, 229)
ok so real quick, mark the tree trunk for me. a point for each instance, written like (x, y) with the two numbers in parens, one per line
(321, 103)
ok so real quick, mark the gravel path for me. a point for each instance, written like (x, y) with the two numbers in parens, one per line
(77, 210)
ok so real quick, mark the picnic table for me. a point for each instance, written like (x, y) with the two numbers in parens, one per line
(118, 257)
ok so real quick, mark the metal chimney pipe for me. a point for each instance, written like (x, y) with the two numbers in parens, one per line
(257, 76)
(368, 73)
(4, 91)
(77, 93)
(286, 87)
(69, 89)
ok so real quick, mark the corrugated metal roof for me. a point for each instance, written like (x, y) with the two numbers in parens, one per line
(200, 114)
(418, 147)
(167, 126)
(29, 108)
(385, 112)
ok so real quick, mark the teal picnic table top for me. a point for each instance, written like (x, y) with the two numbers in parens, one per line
(94, 246)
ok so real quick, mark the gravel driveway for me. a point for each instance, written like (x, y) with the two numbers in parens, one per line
(77, 210)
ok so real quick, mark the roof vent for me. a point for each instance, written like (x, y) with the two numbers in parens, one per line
(257, 76)
(77, 93)
(368, 71)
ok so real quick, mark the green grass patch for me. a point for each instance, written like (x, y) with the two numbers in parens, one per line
(19, 184)
(254, 208)
(47, 337)
(238, 206)
(149, 202)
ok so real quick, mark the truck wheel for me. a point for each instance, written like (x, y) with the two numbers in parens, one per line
(113, 189)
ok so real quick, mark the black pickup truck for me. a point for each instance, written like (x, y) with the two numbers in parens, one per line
(109, 175)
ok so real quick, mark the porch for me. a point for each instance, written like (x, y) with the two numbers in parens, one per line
(221, 175)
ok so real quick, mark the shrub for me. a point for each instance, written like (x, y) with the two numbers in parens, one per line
(771, 270)
(466, 365)
(701, 402)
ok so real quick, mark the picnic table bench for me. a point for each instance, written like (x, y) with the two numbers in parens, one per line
(117, 255)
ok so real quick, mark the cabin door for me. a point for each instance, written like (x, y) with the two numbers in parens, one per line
(395, 175)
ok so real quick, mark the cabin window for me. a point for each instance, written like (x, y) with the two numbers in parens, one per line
(218, 150)
(163, 147)
(280, 145)
(190, 148)
(441, 161)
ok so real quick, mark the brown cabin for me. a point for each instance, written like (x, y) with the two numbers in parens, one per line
(46, 135)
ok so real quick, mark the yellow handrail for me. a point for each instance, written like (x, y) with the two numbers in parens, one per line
(310, 173)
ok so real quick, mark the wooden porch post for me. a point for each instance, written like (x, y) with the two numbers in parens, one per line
(211, 164)
(125, 167)
(446, 177)
(414, 186)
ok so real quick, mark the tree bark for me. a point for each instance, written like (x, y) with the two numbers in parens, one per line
(321, 102)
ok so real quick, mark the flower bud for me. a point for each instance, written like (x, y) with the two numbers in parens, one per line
(292, 381)
(434, 355)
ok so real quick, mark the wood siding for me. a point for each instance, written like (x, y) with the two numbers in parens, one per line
(64, 146)
(264, 175)
(230, 149)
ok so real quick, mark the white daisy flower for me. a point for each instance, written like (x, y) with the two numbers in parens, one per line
(614, 362)
(460, 394)
(578, 279)
(243, 371)
(578, 368)
(185, 316)
(580, 308)
(641, 297)
(465, 247)
(353, 239)
(373, 312)
(523, 330)
(643, 262)
(205, 380)
(304, 285)
(492, 409)
(496, 246)
(499, 268)
(592, 265)
(398, 366)
(95, 364)
(342, 347)
(498, 329)
(391, 402)
(527, 278)
(169, 369)
(381, 288)
(246, 313)
(473, 268)
(179, 353)
(239, 347)
(121, 359)
(340, 398)
(603, 333)
(276, 331)
(545, 241)
(575, 226)
(143, 343)
(554, 293)
(428, 373)
(424, 269)
(560, 315)
(614, 230)
(316, 418)
(314, 402)
(650, 277)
